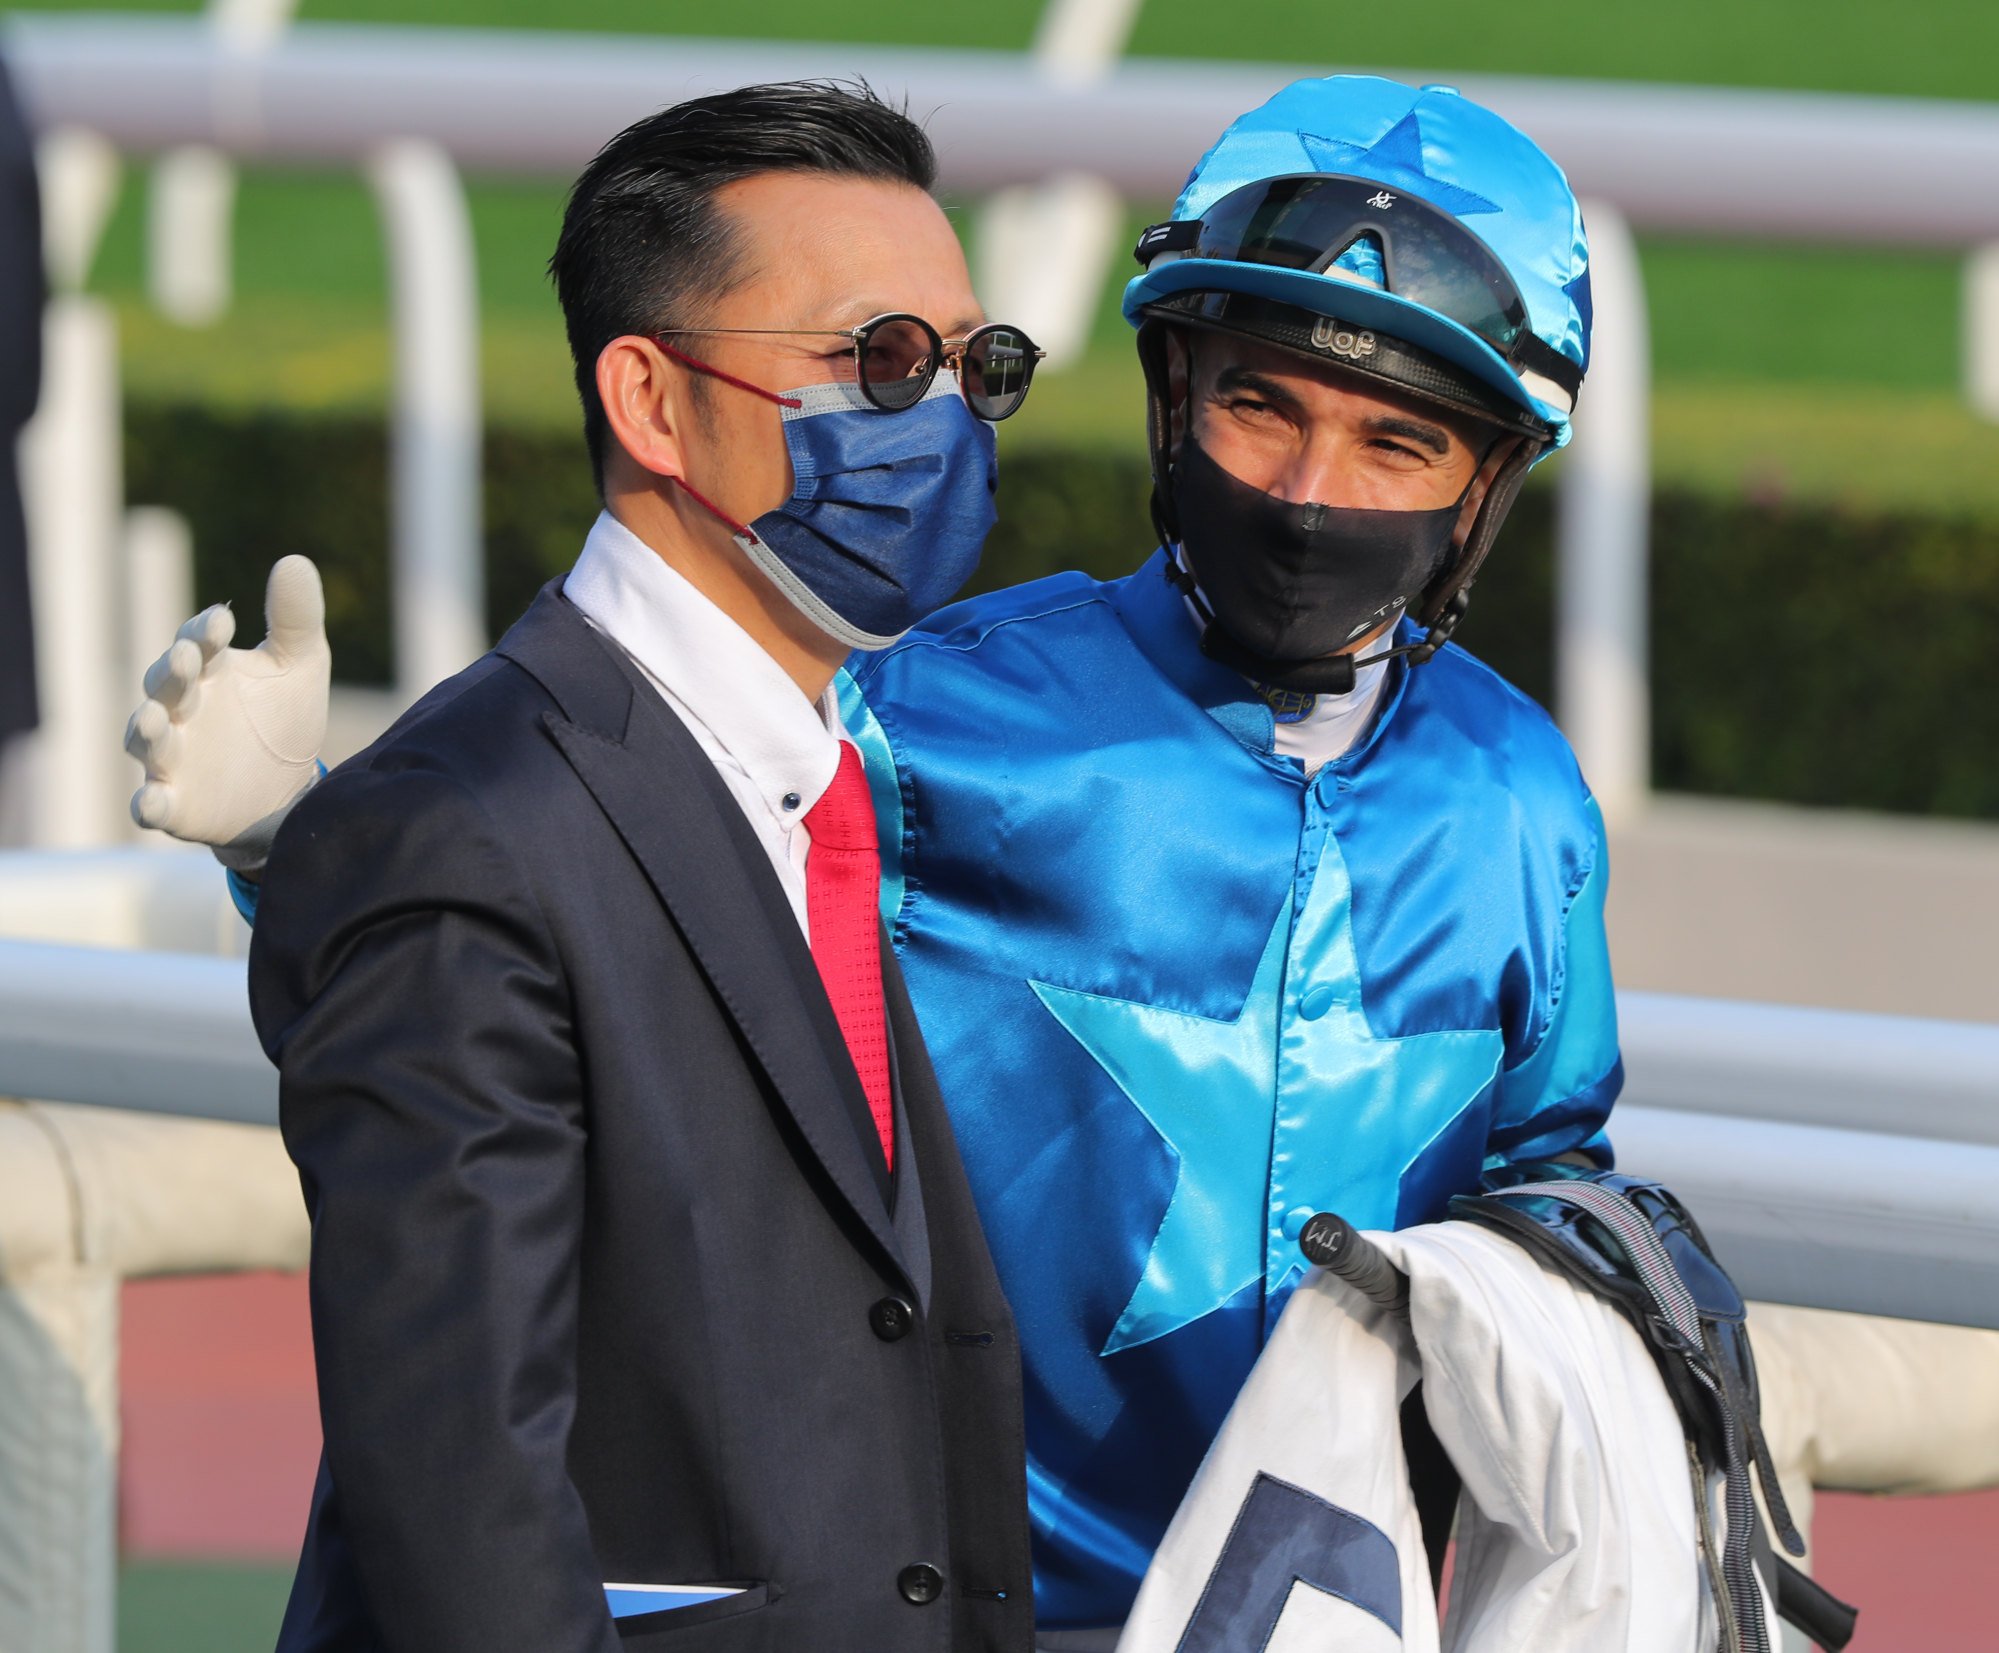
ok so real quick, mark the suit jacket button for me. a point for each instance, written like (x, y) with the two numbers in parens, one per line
(921, 1584)
(891, 1319)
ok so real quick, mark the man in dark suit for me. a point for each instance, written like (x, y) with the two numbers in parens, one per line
(21, 295)
(649, 1302)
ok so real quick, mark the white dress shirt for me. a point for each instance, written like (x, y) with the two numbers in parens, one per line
(775, 750)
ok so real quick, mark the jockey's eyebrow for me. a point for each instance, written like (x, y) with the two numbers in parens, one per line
(1433, 437)
(1259, 385)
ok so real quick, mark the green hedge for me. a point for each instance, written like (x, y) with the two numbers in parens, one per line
(1798, 654)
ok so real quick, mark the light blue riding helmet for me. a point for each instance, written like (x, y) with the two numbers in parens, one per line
(1390, 216)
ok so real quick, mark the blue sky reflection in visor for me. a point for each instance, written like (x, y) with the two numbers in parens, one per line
(1305, 221)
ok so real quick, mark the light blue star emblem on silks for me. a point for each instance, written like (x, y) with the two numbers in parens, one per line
(1267, 1112)
(1396, 157)
(1205, 1086)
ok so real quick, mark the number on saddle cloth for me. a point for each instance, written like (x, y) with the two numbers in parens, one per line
(1284, 1536)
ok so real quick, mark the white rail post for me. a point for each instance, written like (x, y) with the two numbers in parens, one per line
(158, 560)
(1981, 330)
(437, 562)
(1044, 249)
(1601, 533)
(159, 580)
(188, 213)
(159, 595)
(72, 485)
(193, 196)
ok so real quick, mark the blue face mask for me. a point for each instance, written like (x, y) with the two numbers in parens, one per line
(888, 511)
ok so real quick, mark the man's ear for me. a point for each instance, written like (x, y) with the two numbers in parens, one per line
(647, 404)
(1489, 467)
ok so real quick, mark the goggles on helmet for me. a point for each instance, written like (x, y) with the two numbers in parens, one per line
(1306, 221)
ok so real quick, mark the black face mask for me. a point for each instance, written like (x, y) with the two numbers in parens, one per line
(1291, 585)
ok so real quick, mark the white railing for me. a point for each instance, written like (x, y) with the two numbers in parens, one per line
(1835, 1160)
(1727, 162)
(160, 1032)
(1046, 133)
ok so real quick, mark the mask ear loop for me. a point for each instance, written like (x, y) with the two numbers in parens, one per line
(740, 530)
(700, 366)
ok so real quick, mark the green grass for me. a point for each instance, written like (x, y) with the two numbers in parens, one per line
(200, 1607)
(1919, 452)
(991, 23)
(1932, 48)
(309, 325)
(315, 236)
(1929, 48)
(1803, 315)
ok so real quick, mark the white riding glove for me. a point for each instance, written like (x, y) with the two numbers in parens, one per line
(230, 738)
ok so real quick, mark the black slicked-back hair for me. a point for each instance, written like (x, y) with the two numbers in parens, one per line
(643, 246)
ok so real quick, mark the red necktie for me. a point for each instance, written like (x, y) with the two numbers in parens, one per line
(842, 908)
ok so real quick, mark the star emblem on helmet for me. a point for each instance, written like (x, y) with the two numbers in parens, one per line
(1395, 158)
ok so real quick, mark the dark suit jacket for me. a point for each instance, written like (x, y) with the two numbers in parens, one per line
(603, 1285)
(21, 295)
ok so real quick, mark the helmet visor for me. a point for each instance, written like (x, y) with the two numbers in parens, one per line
(1306, 221)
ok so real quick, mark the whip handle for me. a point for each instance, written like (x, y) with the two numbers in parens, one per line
(1332, 1243)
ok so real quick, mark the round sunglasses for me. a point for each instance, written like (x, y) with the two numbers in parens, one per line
(896, 357)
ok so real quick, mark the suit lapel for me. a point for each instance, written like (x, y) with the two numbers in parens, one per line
(950, 1216)
(912, 1222)
(661, 793)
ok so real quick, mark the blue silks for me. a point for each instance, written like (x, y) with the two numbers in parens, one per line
(245, 893)
(1179, 998)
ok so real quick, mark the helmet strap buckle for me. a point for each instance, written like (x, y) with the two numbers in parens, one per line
(1443, 626)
